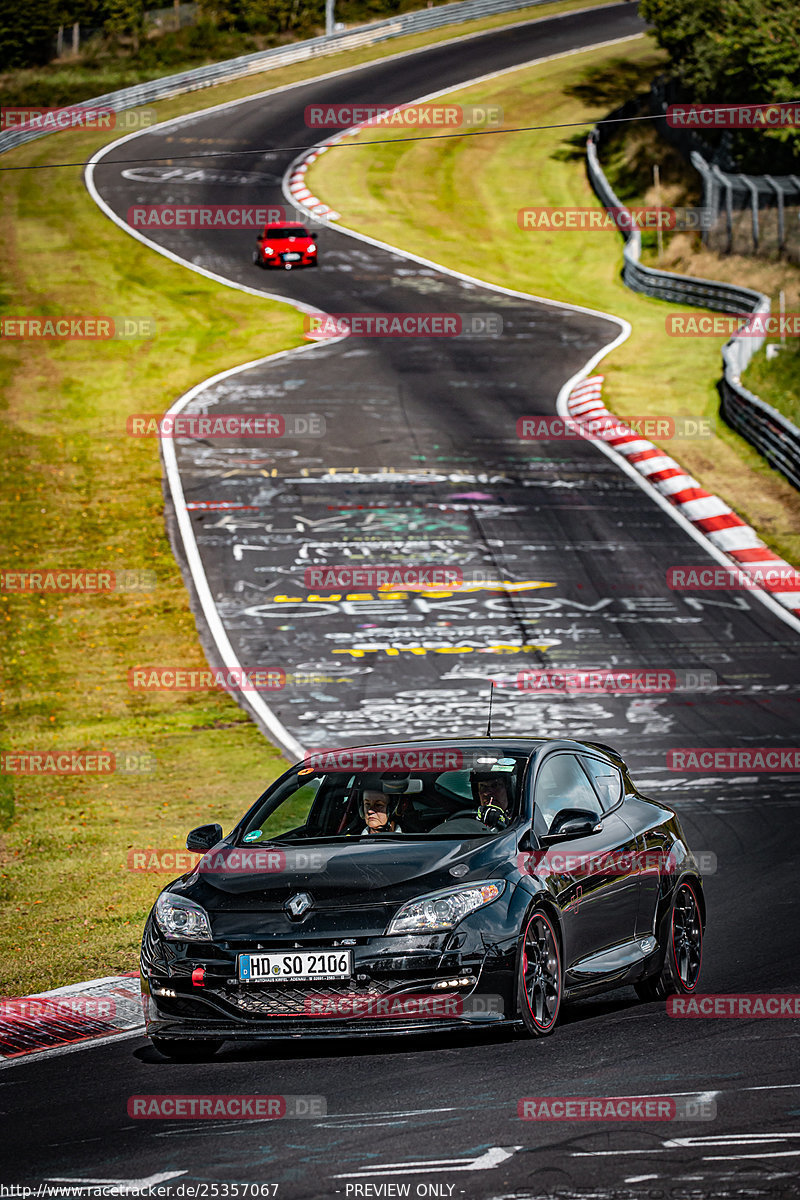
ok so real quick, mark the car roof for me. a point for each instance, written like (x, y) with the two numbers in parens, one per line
(511, 741)
(285, 225)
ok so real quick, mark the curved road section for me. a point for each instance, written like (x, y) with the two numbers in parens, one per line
(420, 463)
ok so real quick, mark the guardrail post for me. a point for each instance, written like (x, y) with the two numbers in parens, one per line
(710, 200)
(748, 183)
(781, 228)
(728, 186)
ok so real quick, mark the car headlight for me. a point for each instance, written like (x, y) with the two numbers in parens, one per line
(443, 910)
(267, 250)
(179, 917)
(312, 249)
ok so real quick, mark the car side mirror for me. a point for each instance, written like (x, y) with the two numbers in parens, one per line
(314, 237)
(525, 842)
(204, 837)
(571, 823)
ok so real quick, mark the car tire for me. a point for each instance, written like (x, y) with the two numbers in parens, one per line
(186, 1051)
(539, 977)
(257, 259)
(683, 951)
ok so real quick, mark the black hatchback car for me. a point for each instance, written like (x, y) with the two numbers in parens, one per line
(422, 887)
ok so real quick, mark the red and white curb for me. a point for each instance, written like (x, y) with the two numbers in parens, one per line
(64, 1017)
(300, 191)
(297, 187)
(707, 512)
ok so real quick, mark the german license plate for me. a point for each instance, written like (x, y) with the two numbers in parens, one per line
(291, 257)
(299, 964)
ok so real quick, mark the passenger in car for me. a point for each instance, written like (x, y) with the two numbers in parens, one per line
(379, 813)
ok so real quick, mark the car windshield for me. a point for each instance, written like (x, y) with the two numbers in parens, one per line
(275, 231)
(476, 799)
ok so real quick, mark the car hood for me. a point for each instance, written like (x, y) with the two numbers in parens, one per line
(339, 875)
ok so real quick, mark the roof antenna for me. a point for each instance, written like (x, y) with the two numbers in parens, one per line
(491, 698)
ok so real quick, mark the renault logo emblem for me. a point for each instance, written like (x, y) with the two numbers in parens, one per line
(299, 905)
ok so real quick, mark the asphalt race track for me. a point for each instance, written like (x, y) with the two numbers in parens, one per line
(420, 463)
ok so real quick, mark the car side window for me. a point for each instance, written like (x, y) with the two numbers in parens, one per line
(561, 783)
(606, 779)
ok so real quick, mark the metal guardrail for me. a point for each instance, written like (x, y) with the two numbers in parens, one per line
(763, 426)
(281, 56)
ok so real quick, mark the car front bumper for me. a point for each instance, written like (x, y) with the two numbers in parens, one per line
(398, 986)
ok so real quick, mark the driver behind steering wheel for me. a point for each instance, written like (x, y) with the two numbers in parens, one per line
(491, 795)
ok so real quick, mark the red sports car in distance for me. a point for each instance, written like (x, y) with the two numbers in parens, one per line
(288, 245)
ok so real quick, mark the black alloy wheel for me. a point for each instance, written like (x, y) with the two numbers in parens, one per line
(539, 975)
(683, 954)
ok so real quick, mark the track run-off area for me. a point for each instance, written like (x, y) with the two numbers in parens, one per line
(420, 463)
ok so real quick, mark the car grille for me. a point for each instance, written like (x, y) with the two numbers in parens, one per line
(291, 1002)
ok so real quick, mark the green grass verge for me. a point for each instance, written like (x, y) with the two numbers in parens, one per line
(79, 493)
(777, 381)
(461, 210)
